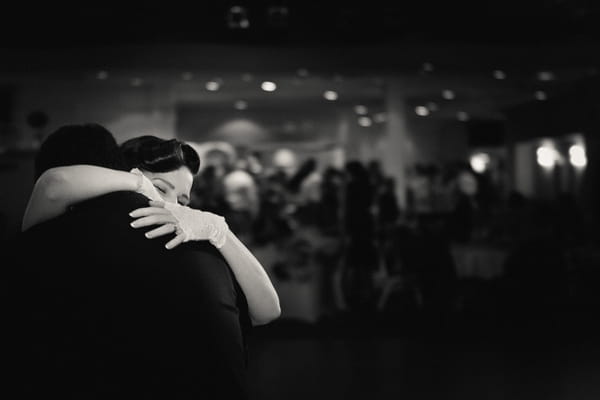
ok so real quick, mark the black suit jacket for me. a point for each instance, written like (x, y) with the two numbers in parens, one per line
(100, 311)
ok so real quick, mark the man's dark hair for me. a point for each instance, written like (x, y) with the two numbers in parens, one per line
(90, 144)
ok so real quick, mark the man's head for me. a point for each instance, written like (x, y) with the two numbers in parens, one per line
(90, 144)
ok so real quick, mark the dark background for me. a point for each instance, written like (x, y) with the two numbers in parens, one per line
(529, 333)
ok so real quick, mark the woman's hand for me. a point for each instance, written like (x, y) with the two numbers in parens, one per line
(187, 224)
(200, 225)
(145, 186)
(157, 214)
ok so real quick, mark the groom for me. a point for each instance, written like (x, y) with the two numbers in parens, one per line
(100, 311)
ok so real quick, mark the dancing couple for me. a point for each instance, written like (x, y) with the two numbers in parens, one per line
(118, 288)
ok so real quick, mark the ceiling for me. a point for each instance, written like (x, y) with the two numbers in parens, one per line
(310, 47)
(482, 85)
(295, 22)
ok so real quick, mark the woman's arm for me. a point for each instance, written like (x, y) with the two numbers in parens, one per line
(263, 302)
(60, 187)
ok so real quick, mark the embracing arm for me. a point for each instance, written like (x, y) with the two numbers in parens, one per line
(60, 187)
(191, 225)
(263, 302)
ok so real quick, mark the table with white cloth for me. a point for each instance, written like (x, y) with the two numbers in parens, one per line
(478, 261)
(307, 292)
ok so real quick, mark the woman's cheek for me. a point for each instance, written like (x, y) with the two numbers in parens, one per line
(169, 199)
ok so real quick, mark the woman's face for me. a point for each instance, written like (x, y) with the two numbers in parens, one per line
(174, 186)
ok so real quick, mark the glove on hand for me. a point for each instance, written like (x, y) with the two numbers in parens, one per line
(145, 186)
(199, 225)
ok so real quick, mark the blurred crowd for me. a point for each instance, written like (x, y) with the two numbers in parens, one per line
(345, 228)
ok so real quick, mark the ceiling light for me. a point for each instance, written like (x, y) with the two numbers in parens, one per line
(380, 117)
(546, 76)
(330, 95)
(240, 105)
(546, 156)
(499, 74)
(268, 86)
(302, 73)
(462, 116)
(479, 162)
(448, 94)
(212, 86)
(577, 156)
(540, 95)
(360, 109)
(365, 122)
(237, 18)
(421, 111)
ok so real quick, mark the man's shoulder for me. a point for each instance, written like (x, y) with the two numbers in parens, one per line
(115, 201)
(102, 209)
(202, 249)
(107, 217)
(102, 217)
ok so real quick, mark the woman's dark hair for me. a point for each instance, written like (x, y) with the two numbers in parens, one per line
(153, 154)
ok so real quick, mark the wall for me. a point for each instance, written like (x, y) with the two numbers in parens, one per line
(16, 176)
(153, 108)
(125, 110)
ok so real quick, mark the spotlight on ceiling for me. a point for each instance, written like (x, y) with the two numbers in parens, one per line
(448, 94)
(499, 74)
(212, 86)
(330, 95)
(540, 95)
(360, 109)
(365, 122)
(546, 76)
(547, 156)
(421, 111)
(240, 105)
(427, 67)
(479, 162)
(268, 86)
(237, 18)
(302, 72)
(577, 156)
(278, 16)
(462, 116)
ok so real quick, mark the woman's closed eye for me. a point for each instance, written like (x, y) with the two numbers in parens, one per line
(160, 189)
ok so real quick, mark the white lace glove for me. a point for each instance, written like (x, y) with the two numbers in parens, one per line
(199, 225)
(145, 186)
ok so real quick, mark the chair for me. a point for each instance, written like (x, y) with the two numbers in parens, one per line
(390, 283)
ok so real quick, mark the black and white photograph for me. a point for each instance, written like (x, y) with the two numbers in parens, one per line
(295, 200)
